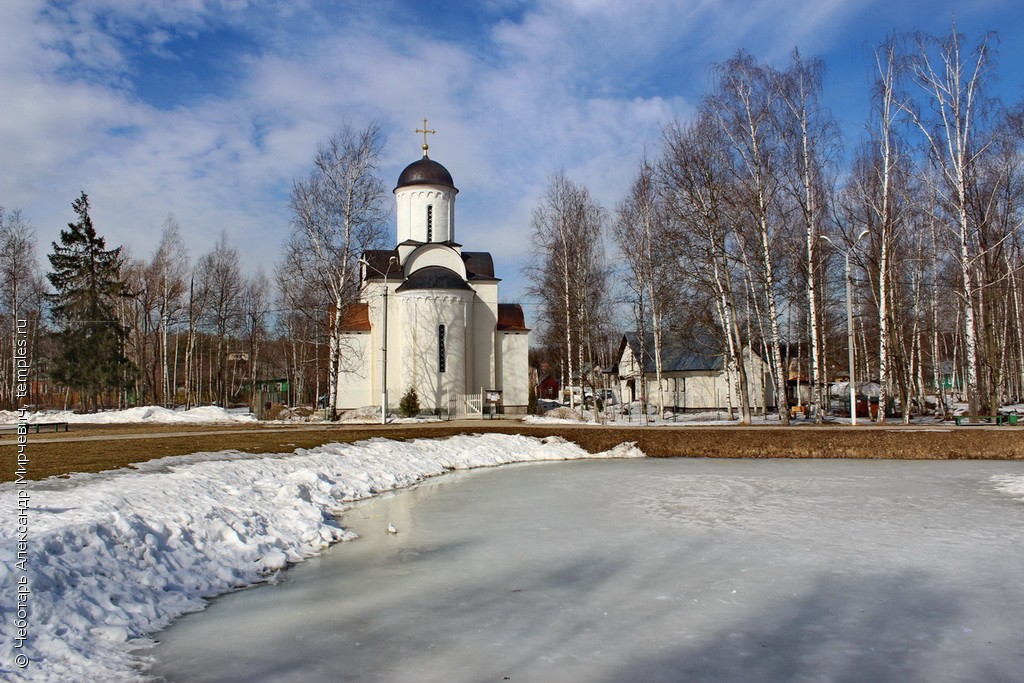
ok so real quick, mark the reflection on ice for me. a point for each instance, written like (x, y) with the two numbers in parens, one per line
(652, 570)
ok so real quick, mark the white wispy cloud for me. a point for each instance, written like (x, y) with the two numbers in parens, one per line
(580, 85)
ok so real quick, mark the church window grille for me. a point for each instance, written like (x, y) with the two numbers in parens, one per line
(442, 354)
(430, 223)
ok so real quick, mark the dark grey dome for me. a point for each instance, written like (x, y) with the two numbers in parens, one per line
(426, 171)
(434, 277)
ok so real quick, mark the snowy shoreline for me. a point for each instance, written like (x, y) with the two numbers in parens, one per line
(115, 557)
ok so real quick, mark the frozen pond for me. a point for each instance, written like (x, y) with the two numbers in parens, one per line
(646, 570)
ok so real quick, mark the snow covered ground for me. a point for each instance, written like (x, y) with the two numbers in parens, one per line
(115, 556)
(198, 415)
(636, 415)
(615, 415)
(154, 414)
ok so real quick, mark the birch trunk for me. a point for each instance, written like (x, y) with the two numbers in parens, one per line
(954, 84)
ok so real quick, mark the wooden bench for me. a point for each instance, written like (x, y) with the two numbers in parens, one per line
(998, 419)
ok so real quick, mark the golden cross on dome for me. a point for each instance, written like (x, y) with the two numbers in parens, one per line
(425, 130)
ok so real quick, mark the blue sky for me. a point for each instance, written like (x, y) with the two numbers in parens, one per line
(208, 109)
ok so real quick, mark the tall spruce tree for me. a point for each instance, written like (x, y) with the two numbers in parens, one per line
(90, 355)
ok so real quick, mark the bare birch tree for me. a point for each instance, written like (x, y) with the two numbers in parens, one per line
(952, 78)
(20, 284)
(338, 211)
(302, 312)
(222, 283)
(256, 302)
(568, 273)
(872, 190)
(744, 105)
(641, 232)
(695, 182)
(166, 275)
(809, 135)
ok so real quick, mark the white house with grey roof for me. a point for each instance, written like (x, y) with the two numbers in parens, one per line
(429, 311)
(694, 377)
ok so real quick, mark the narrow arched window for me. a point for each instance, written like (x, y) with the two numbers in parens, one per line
(442, 354)
(430, 223)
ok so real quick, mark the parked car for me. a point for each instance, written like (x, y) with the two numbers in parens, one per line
(578, 394)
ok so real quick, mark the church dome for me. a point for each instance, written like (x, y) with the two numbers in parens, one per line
(426, 171)
(434, 277)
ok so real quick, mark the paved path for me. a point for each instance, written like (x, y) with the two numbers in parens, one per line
(466, 424)
(470, 425)
(164, 435)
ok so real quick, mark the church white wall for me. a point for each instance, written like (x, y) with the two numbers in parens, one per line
(411, 207)
(354, 377)
(435, 255)
(515, 371)
(419, 314)
(359, 380)
(485, 374)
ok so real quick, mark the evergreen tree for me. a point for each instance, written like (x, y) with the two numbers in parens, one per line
(91, 340)
(409, 406)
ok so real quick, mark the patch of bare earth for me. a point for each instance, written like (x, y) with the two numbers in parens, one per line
(94, 448)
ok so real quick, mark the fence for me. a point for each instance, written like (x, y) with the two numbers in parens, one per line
(461, 406)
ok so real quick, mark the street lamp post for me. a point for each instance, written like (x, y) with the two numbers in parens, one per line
(849, 324)
(384, 343)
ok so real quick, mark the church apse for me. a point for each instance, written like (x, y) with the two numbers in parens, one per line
(423, 315)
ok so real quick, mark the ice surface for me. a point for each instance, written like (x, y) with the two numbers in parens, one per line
(647, 570)
(113, 557)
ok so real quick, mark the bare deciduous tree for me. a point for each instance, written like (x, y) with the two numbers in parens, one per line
(952, 78)
(744, 105)
(568, 274)
(222, 286)
(338, 211)
(256, 304)
(809, 135)
(641, 232)
(21, 290)
(695, 183)
(167, 276)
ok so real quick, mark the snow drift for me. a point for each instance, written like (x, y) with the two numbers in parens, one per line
(155, 414)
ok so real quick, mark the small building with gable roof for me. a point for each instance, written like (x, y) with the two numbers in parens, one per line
(694, 375)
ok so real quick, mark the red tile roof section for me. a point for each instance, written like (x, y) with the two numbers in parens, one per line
(511, 318)
(356, 318)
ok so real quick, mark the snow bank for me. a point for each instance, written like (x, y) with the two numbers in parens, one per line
(560, 415)
(156, 414)
(115, 556)
(371, 415)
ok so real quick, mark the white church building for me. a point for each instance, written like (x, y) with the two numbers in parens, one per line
(428, 316)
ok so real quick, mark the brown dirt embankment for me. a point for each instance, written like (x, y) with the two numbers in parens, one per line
(93, 448)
